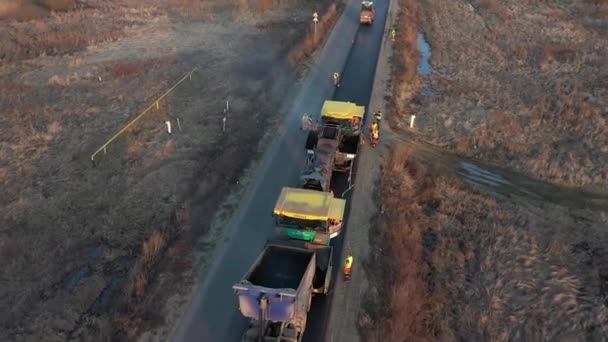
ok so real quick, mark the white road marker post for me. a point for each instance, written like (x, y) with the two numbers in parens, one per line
(225, 115)
(315, 20)
(168, 123)
(224, 123)
(412, 118)
(179, 126)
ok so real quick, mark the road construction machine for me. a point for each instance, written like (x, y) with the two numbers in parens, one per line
(348, 117)
(309, 215)
(339, 131)
(368, 12)
(321, 148)
(276, 292)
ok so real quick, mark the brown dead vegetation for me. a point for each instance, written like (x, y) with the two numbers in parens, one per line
(151, 251)
(313, 39)
(406, 82)
(402, 313)
(91, 23)
(109, 251)
(495, 7)
(69, 33)
(515, 82)
(453, 264)
(22, 10)
(130, 68)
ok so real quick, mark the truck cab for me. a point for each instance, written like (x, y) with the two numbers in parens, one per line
(309, 215)
(368, 13)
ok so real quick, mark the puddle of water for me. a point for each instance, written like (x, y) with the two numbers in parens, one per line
(74, 277)
(92, 253)
(424, 67)
(87, 255)
(427, 91)
(506, 182)
(476, 174)
(105, 298)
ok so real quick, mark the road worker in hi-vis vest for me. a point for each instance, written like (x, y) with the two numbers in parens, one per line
(348, 264)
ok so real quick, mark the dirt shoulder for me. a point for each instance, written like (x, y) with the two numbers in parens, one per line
(518, 83)
(92, 253)
(458, 264)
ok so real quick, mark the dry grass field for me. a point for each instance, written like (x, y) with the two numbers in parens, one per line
(519, 83)
(451, 263)
(93, 253)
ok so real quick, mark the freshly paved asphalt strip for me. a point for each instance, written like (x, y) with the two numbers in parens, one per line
(348, 298)
(356, 86)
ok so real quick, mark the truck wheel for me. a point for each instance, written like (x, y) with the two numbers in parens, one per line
(311, 140)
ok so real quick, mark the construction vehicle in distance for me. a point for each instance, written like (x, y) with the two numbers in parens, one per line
(276, 292)
(368, 13)
(309, 215)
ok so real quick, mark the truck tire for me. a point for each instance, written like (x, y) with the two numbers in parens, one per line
(311, 140)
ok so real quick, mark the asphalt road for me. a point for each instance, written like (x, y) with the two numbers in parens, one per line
(356, 86)
(213, 314)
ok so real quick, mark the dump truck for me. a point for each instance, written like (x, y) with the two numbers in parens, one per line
(309, 215)
(276, 292)
(368, 13)
(349, 118)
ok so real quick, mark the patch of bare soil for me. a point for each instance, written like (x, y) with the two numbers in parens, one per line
(520, 83)
(92, 253)
(453, 264)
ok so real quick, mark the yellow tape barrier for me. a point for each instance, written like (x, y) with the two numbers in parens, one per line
(156, 104)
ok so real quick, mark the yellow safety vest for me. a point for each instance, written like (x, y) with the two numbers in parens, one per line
(349, 262)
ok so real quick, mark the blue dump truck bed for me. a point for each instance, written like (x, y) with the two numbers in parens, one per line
(280, 268)
(276, 292)
(283, 275)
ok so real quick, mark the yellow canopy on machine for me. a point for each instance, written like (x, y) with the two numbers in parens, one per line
(341, 110)
(309, 205)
